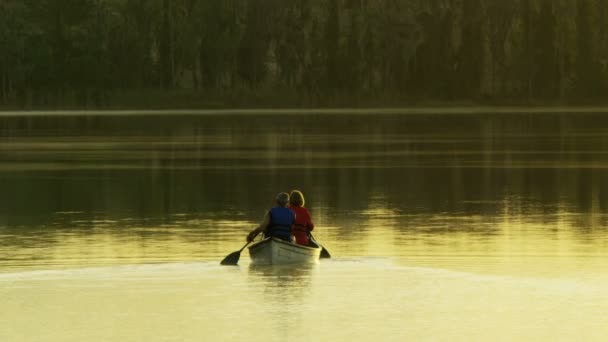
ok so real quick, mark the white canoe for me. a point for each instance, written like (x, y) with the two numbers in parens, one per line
(273, 251)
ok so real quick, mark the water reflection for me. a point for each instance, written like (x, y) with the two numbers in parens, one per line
(286, 297)
(289, 282)
(190, 186)
(444, 223)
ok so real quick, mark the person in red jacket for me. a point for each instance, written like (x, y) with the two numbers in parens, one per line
(303, 224)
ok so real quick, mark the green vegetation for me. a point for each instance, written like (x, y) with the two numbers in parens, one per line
(220, 53)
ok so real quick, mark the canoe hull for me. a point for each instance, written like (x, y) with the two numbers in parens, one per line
(272, 251)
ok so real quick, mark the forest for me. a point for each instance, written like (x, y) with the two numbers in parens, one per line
(301, 53)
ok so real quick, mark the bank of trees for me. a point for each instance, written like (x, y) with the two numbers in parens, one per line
(84, 52)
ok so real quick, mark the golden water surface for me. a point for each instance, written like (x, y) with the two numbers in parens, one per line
(456, 226)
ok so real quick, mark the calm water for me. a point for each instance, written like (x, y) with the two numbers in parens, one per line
(442, 226)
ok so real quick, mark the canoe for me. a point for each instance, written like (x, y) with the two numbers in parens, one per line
(273, 251)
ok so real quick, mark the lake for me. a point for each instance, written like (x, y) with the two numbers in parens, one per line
(443, 225)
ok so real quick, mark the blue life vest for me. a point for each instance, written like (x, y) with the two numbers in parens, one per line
(281, 219)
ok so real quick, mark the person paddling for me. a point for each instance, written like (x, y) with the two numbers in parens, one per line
(303, 224)
(278, 221)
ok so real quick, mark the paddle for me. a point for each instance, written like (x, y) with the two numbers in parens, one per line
(233, 258)
(324, 252)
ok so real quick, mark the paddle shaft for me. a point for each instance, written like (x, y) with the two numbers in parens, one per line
(324, 251)
(240, 250)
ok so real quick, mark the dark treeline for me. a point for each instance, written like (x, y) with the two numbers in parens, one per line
(107, 53)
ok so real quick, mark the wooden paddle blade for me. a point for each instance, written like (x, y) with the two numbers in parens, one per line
(324, 254)
(232, 258)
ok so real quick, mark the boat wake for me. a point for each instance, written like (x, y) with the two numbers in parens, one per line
(124, 272)
(335, 270)
(395, 269)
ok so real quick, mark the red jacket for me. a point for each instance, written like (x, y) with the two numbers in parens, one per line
(303, 224)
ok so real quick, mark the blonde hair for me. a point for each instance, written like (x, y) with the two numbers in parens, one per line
(296, 198)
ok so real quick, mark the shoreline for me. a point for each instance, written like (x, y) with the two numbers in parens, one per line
(241, 100)
(414, 110)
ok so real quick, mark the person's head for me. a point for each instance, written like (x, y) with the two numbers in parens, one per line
(296, 198)
(282, 199)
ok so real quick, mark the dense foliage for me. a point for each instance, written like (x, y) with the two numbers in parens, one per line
(86, 52)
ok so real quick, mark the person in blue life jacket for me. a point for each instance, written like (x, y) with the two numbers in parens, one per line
(278, 221)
